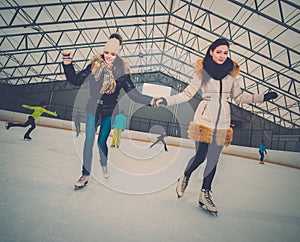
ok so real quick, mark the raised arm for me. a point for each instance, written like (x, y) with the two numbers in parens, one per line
(50, 112)
(75, 78)
(27, 106)
(239, 97)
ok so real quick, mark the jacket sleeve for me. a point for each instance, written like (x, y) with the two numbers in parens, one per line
(76, 78)
(187, 94)
(50, 112)
(243, 97)
(132, 92)
(27, 106)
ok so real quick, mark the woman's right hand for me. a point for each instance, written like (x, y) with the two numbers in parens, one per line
(67, 56)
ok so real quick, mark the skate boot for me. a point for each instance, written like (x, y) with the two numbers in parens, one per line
(7, 125)
(27, 138)
(83, 181)
(181, 186)
(105, 172)
(206, 202)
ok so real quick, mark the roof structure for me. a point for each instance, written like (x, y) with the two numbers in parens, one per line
(159, 36)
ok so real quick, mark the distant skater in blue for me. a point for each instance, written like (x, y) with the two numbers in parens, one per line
(262, 151)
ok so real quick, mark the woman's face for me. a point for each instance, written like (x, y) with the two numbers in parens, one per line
(219, 54)
(109, 57)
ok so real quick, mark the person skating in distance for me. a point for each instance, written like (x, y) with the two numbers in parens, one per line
(262, 151)
(37, 112)
(107, 73)
(118, 126)
(216, 77)
(161, 138)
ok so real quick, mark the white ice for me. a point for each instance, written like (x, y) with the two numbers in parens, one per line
(138, 202)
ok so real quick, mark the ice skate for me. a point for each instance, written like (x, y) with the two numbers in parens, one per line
(27, 138)
(261, 162)
(105, 172)
(206, 202)
(83, 181)
(181, 186)
(7, 126)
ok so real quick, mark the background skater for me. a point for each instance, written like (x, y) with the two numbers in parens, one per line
(37, 112)
(77, 122)
(161, 138)
(262, 151)
(119, 126)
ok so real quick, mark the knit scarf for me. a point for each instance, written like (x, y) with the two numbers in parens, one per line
(217, 71)
(109, 83)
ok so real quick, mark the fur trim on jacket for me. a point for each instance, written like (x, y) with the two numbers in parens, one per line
(199, 67)
(202, 133)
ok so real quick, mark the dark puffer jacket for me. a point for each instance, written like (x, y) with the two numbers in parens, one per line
(104, 104)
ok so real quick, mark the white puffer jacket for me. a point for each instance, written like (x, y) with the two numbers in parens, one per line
(213, 111)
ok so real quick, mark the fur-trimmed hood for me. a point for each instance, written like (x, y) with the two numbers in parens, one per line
(199, 67)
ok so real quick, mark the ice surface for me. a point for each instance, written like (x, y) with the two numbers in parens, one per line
(138, 202)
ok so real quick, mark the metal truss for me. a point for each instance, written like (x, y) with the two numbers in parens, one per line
(164, 37)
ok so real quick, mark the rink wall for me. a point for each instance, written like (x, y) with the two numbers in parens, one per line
(286, 158)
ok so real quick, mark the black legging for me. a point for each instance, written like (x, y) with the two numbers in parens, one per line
(158, 140)
(30, 121)
(212, 152)
(262, 156)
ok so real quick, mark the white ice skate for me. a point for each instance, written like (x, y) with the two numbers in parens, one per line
(105, 172)
(206, 202)
(7, 126)
(181, 186)
(83, 181)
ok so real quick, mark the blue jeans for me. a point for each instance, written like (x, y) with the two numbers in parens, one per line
(90, 131)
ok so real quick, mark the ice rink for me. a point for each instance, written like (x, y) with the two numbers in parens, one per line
(138, 202)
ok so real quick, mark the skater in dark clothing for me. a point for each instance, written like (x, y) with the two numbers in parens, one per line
(37, 112)
(262, 151)
(77, 122)
(106, 74)
(160, 139)
(216, 78)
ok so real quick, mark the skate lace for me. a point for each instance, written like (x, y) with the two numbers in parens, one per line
(184, 184)
(81, 178)
(207, 196)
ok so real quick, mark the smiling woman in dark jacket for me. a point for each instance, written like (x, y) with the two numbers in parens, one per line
(106, 75)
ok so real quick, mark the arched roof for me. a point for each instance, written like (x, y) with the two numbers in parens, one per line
(159, 36)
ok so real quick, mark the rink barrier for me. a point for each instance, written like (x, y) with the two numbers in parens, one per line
(278, 157)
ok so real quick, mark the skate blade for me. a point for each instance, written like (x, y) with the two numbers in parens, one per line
(207, 210)
(178, 196)
(80, 187)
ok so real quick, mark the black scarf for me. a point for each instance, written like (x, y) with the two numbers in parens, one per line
(217, 71)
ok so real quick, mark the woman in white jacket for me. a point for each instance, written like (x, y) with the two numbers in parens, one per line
(216, 77)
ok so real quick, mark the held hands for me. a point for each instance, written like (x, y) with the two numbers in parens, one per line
(160, 101)
(270, 95)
